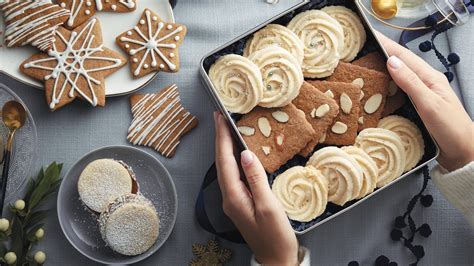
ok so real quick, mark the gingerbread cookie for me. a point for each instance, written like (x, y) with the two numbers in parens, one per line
(159, 120)
(32, 22)
(395, 98)
(76, 66)
(374, 85)
(320, 111)
(275, 135)
(152, 45)
(82, 10)
(343, 130)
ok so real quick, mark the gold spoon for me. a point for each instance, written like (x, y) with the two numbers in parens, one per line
(14, 116)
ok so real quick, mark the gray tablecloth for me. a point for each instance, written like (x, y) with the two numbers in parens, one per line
(361, 234)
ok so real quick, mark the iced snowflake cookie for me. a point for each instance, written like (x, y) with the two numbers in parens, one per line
(82, 10)
(238, 82)
(76, 66)
(386, 148)
(32, 22)
(104, 180)
(342, 171)
(275, 35)
(302, 191)
(323, 41)
(410, 135)
(354, 33)
(369, 169)
(152, 45)
(130, 225)
(159, 120)
(281, 74)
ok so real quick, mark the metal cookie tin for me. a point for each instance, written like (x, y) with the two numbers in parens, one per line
(236, 46)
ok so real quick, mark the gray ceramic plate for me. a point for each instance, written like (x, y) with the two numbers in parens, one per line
(80, 225)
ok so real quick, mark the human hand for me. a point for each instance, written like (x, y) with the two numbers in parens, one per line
(255, 212)
(437, 104)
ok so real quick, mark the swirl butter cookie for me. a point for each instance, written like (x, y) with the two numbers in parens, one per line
(238, 83)
(386, 149)
(275, 35)
(343, 173)
(323, 41)
(369, 169)
(410, 135)
(281, 74)
(302, 191)
(354, 33)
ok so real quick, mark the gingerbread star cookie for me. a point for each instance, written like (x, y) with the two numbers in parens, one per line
(159, 120)
(32, 22)
(152, 45)
(76, 66)
(82, 10)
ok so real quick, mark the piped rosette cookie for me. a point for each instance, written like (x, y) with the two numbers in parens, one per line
(386, 149)
(410, 135)
(369, 169)
(281, 75)
(275, 35)
(323, 41)
(342, 171)
(354, 33)
(238, 82)
(302, 191)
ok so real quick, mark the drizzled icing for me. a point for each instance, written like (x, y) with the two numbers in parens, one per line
(343, 173)
(154, 42)
(302, 191)
(159, 121)
(281, 74)
(276, 35)
(32, 22)
(323, 41)
(354, 33)
(73, 62)
(238, 82)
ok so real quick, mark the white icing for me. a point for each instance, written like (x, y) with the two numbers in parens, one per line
(77, 5)
(152, 44)
(71, 64)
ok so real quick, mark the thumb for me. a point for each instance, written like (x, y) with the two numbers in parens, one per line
(256, 177)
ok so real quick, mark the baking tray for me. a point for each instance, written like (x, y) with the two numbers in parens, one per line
(236, 46)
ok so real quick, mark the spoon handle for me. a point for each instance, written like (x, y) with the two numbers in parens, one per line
(6, 169)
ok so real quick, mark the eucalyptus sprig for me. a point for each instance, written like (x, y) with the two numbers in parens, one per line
(25, 229)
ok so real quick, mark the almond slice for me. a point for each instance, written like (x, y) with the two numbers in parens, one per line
(373, 103)
(323, 138)
(279, 139)
(346, 103)
(361, 120)
(266, 150)
(339, 128)
(361, 96)
(359, 82)
(313, 113)
(329, 94)
(264, 126)
(281, 116)
(322, 110)
(247, 131)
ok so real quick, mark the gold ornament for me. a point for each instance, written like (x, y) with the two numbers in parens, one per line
(385, 9)
(211, 254)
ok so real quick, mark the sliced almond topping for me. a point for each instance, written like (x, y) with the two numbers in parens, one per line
(313, 113)
(323, 138)
(339, 128)
(329, 94)
(281, 116)
(247, 131)
(279, 139)
(373, 103)
(346, 103)
(264, 126)
(361, 120)
(392, 88)
(361, 96)
(359, 82)
(266, 150)
(322, 110)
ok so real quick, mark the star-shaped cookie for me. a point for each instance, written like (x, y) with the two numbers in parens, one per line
(76, 66)
(32, 22)
(82, 10)
(152, 45)
(159, 120)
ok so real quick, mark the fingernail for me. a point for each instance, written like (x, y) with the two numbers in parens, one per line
(246, 157)
(394, 62)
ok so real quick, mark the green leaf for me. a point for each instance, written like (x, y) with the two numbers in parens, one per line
(35, 217)
(49, 180)
(17, 237)
(3, 249)
(31, 234)
(3, 236)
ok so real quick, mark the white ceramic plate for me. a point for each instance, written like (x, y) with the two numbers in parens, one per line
(119, 83)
